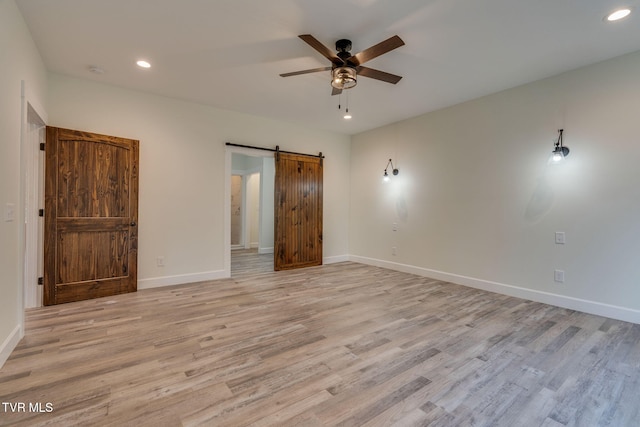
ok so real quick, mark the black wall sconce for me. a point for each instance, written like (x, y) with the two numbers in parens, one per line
(559, 151)
(394, 171)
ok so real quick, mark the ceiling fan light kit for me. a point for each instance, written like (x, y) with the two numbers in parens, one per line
(344, 77)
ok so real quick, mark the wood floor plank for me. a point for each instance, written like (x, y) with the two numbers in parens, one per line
(340, 344)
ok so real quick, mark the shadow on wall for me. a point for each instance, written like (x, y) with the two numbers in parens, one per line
(402, 209)
(541, 201)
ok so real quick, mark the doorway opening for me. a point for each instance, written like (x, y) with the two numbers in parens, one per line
(251, 210)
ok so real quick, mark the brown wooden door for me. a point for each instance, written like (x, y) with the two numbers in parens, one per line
(298, 211)
(91, 215)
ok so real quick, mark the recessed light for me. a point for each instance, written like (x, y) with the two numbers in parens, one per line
(618, 14)
(143, 64)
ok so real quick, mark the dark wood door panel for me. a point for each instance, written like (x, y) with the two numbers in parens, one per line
(106, 256)
(92, 289)
(298, 216)
(91, 214)
(91, 179)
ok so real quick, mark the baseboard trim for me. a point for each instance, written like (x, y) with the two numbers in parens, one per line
(9, 344)
(265, 250)
(158, 282)
(335, 259)
(586, 306)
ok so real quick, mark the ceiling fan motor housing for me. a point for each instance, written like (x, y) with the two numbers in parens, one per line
(343, 45)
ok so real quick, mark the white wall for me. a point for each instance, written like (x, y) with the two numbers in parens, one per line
(182, 170)
(237, 210)
(476, 203)
(19, 60)
(253, 209)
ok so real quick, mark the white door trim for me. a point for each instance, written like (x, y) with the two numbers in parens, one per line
(33, 132)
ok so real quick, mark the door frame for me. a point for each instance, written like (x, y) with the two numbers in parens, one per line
(31, 188)
(229, 151)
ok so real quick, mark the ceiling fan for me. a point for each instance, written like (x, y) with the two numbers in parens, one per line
(345, 67)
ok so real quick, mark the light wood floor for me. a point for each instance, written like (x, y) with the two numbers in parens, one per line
(249, 261)
(343, 344)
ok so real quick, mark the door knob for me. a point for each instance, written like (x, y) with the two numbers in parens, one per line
(133, 224)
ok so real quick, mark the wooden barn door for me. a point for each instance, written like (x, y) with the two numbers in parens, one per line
(91, 215)
(298, 211)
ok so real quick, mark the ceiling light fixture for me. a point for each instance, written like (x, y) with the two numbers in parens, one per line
(559, 151)
(343, 77)
(394, 171)
(618, 14)
(143, 64)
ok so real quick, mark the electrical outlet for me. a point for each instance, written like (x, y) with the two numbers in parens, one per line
(558, 276)
(394, 226)
(160, 261)
(394, 250)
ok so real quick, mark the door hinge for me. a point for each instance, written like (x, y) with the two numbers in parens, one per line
(42, 146)
(40, 212)
(40, 280)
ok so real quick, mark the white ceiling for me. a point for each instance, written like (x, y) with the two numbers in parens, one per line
(229, 53)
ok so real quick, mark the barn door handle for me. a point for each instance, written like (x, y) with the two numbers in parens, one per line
(133, 224)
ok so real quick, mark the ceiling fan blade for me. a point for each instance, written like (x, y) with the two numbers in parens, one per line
(335, 91)
(322, 49)
(376, 50)
(313, 70)
(378, 75)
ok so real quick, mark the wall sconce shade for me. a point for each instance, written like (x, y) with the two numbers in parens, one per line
(559, 151)
(394, 171)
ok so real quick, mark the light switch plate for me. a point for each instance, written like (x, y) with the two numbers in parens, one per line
(560, 238)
